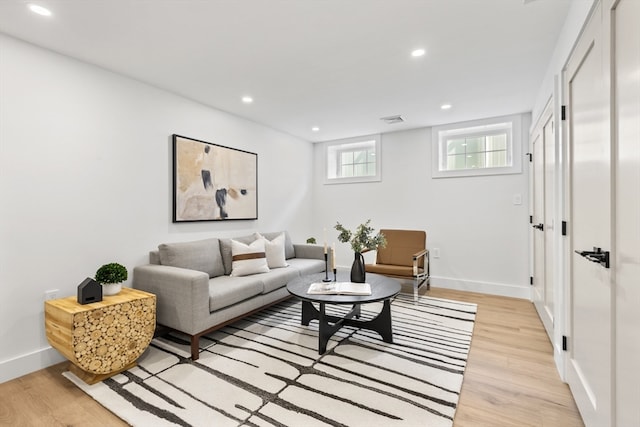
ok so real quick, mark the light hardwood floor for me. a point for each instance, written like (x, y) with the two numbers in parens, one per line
(510, 378)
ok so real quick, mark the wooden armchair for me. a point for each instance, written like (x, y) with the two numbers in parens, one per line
(405, 257)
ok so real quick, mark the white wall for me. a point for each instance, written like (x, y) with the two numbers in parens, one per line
(576, 17)
(481, 234)
(85, 179)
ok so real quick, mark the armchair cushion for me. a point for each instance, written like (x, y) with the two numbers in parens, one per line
(401, 246)
(392, 270)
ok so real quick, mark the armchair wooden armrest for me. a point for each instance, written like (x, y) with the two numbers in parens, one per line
(423, 253)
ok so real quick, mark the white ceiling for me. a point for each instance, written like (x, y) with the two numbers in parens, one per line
(340, 65)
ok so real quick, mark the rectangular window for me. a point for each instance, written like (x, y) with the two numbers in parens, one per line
(478, 150)
(482, 147)
(353, 160)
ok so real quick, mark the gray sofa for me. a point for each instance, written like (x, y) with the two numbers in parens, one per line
(196, 293)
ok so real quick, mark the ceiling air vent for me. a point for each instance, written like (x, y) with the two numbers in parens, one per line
(392, 119)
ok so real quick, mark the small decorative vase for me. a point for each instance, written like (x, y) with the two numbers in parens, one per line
(357, 268)
(111, 288)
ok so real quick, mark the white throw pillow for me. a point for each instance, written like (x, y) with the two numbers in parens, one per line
(248, 259)
(275, 250)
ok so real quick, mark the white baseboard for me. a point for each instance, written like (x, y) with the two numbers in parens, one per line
(28, 363)
(502, 289)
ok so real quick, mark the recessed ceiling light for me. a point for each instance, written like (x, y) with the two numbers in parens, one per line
(418, 52)
(247, 99)
(315, 129)
(445, 106)
(40, 10)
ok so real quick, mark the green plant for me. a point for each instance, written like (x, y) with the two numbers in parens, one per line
(362, 238)
(311, 240)
(111, 273)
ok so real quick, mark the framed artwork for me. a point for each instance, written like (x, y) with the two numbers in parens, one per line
(212, 182)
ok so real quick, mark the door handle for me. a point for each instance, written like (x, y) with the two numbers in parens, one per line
(539, 226)
(596, 255)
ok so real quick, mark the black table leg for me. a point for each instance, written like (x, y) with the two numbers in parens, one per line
(309, 313)
(329, 325)
(324, 330)
(356, 310)
(382, 323)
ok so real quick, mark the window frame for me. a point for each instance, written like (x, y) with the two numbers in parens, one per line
(333, 151)
(484, 127)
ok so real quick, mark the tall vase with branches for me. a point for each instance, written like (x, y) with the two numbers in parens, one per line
(361, 240)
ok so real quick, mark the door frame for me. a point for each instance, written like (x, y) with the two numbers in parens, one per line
(553, 111)
(544, 118)
(625, 265)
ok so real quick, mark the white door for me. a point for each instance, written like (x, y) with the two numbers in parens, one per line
(537, 218)
(625, 30)
(548, 132)
(542, 149)
(590, 316)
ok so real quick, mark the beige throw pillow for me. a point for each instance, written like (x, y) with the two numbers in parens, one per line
(275, 250)
(248, 259)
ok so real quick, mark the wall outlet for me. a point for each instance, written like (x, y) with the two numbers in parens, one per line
(436, 252)
(52, 294)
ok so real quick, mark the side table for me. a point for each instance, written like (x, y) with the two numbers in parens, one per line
(103, 338)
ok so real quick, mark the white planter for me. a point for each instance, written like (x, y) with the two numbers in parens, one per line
(111, 288)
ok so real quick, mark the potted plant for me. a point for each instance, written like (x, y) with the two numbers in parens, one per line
(362, 240)
(111, 276)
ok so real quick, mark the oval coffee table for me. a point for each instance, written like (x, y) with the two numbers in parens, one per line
(382, 289)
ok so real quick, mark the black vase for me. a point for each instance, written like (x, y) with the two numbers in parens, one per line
(357, 269)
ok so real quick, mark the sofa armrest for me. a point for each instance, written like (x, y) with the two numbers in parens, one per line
(182, 295)
(309, 251)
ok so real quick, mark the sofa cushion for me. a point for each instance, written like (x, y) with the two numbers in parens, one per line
(200, 255)
(248, 259)
(277, 278)
(225, 291)
(307, 265)
(274, 250)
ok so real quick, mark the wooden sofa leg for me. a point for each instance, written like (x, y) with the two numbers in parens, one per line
(195, 347)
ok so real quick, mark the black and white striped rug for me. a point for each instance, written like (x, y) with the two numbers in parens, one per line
(266, 371)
